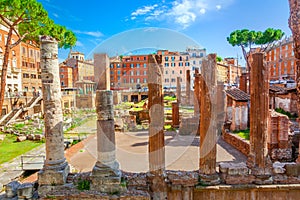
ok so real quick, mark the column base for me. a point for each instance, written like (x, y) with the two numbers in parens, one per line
(53, 177)
(158, 186)
(209, 179)
(107, 180)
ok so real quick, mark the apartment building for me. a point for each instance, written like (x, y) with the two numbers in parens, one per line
(129, 72)
(175, 64)
(31, 70)
(281, 60)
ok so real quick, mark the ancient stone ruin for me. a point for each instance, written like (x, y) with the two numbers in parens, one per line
(255, 179)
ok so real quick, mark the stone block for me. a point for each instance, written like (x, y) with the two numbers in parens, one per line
(53, 177)
(278, 168)
(25, 191)
(234, 168)
(30, 137)
(21, 138)
(292, 169)
(11, 189)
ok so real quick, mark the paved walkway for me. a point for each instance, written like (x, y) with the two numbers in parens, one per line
(182, 153)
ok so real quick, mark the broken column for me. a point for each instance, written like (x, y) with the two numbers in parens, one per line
(55, 169)
(258, 160)
(188, 88)
(208, 124)
(178, 90)
(197, 98)
(175, 114)
(106, 176)
(156, 148)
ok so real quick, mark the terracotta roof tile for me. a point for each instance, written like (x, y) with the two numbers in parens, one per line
(238, 94)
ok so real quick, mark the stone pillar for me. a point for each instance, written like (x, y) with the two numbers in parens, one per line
(258, 159)
(208, 123)
(243, 82)
(175, 114)
(156, 147)
(178, 90)
(106, 176)
(197, 98)
(101, 71)
(188, 87)
(55, 169)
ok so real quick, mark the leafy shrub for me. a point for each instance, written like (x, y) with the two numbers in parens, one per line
(83, 185)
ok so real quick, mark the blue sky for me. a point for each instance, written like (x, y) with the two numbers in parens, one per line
(207, 22)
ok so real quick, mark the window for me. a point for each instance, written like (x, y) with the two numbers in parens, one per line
(137, 73)
(166, 72)
(124, 65)
(180, 58)
(111, 66)
(166, 64)
(25, 75)
(194, 62)
(173, 80)
(173, 58)
(173, 72)
(187, 64)
(111, 72)
(137, 65)
(62, 83)
(124, 80)
(132, 80)
(119, 72)
(180, 71)
(138, 80)
(14, 63)
(13, 53)
(201, 54)
(166, 58)
(118, 65)
(144, 57)
(61, 70)
(131, 65)
(145, 65)
(180, 64)
(131, 73)
(166, 80)
(145, 73)
(33, 76)
(145, 80)
(187, 58)
(138, 58)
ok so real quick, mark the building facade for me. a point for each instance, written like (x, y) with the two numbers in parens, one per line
(281, 60)
(129, 72)
(175, 64)
(196, 56)
(31, 71)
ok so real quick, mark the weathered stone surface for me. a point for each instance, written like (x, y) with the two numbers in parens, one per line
(234, 168)
(55, 168)
(258, 159)
(178, 90)
(188, 126)
(278, 168)
(104, 105)
(21, 138)
(208, 119)
(11, 189)
(292, 169)
(25, 191)
(175, 114)
(237, 142)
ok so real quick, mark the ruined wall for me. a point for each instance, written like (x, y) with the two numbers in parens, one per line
(237, 142)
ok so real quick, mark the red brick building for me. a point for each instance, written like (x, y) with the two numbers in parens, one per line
(128, 72)
(282, 60)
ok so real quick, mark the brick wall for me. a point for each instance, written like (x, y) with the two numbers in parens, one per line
(237, 142)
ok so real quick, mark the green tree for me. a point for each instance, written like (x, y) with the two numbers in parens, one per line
(219, 59)
(28, 20)
(246, 39)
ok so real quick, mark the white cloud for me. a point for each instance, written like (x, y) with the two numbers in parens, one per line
(144, 10)
(90, 33)
(79, 44)
(55, 15)
(202, 11)
(182, 12)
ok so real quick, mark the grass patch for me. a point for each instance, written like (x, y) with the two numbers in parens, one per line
(291, 116)
(169, 128)
(10, 149)
(83, 185)
(245, 134)
(169, 98)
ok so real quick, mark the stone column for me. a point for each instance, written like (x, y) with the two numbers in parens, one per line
(188, 87)
(208, 124)
(55, 168)
(243, 82)
(156, 147)
(178, 90)
(175, 114)
(197, 98)
(258, 159)
(106, 176)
